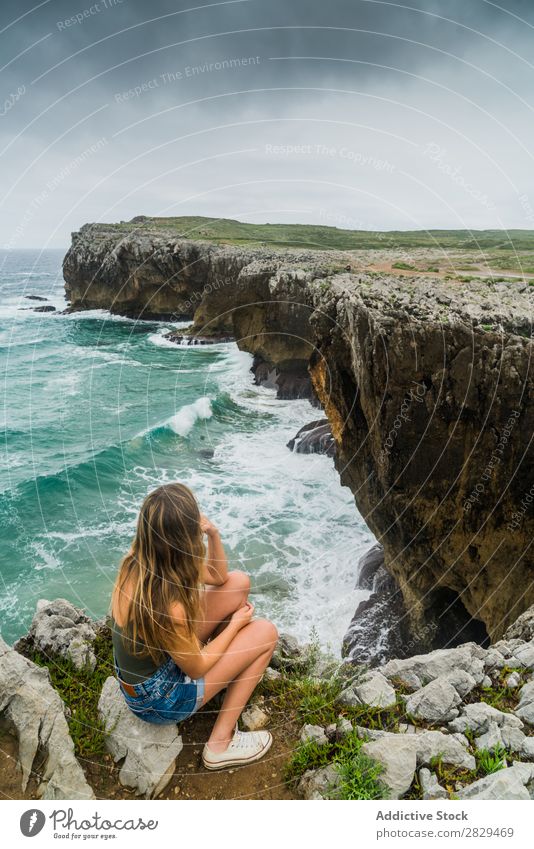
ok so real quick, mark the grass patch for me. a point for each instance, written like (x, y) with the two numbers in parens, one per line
(80, 690)
(359, 774)
(404, 266)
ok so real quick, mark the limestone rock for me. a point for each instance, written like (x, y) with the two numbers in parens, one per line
(59, 628)
(271, 674)
(319, 783)
(313, 734)
(419, 670)
(288, 653)
(31, 705)
(478, 716)
(254, 718)
(430, 785)
(433, 744)
(513, 680)
(525, 708)
(523, 627)
(375, 690)
(436, 702)
(508, 783)
(149, 750)
(397, 755)
(525, 655)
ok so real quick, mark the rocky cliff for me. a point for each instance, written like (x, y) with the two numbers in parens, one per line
(426, 383)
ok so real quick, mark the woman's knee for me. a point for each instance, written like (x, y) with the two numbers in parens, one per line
(239, 581)
(266, 632)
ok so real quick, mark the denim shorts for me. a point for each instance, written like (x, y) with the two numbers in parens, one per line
(169, 695)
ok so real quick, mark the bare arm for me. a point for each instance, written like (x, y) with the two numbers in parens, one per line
(216, 571)
(196, 661)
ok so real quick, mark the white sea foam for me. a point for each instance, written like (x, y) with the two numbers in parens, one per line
(185, 419)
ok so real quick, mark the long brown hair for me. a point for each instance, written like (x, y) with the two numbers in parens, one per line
(164, 563)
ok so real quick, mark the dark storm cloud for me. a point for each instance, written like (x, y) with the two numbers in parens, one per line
(115, 75)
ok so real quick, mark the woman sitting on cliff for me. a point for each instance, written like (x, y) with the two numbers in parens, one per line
(178, 642)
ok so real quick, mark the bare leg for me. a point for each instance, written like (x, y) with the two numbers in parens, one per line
(220, 602)
(239, 670)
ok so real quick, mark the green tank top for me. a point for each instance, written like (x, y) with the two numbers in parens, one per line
(132, 668)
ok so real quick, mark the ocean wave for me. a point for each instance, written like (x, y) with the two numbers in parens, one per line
(185, 419)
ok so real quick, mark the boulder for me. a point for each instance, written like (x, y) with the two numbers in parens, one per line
(368, 565)
(313, 734)
(523, 627)
(34, 709)
(493, 660)
(477, 717)
(434, 744)
(148, 750)
(254, 718)
(59, 628)
(525, 655)
(314, 438)
(430, 786)
(375, 690)
(379, 629)
(513, 680)
(419, 670)
(507, 783)
(319, 783)
(397, 755)
(525, 708)
(289, 653)
(437, 702)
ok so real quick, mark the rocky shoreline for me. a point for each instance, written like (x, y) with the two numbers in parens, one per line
(451, 724)
(425, 383)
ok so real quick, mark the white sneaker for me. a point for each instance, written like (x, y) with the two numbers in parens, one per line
(245, 747)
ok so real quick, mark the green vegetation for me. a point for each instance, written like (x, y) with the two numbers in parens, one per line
(488, 762)
(80, 690)
(226, 230)
(359, 774)
(500, 695)
(403, 265)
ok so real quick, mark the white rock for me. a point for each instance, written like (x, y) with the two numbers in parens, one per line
(491, 739)
(513, 680)
(313, 734)
(461, 680)
(436, 702)
(433, 744)
(271, 674)
(525, 655)
(526, 749)
(523, 627)
(396, 753)
(59, 628)
(375, 690)
(319, 783)
(343, 728)
(477, 716)
(30, 704)
(486, 681)
(494, 660)
(430, 785)
(426, 667)
(504, 784)
(525, 708)
(149, 749)
(254, 718)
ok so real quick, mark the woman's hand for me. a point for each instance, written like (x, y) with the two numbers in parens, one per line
(243, 615)
(207, 527)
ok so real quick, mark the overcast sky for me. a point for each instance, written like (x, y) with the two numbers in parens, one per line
(356, 113)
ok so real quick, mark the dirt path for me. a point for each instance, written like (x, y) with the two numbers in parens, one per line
(263, 780)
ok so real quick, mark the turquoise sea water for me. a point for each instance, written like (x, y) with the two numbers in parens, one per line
(97, 410)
